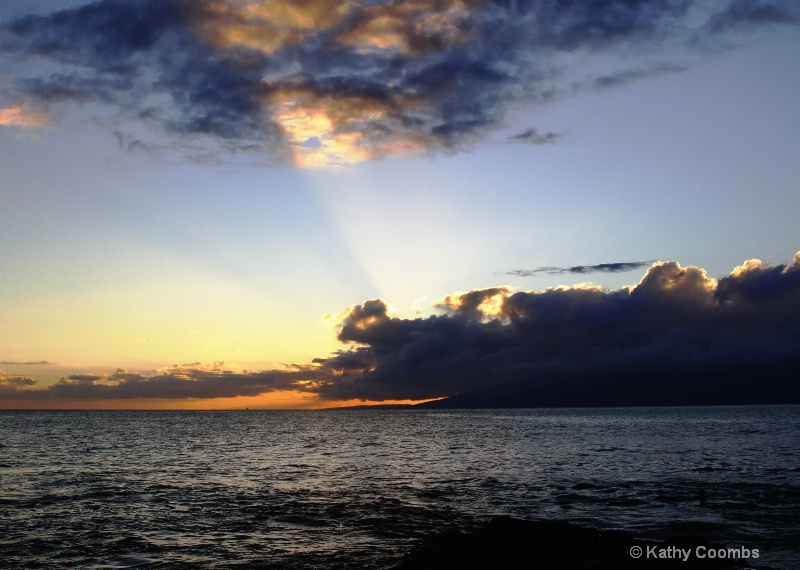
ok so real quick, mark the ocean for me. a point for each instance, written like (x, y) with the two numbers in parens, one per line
(359, 488)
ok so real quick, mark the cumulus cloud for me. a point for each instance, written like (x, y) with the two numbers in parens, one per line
(14, 381)
(675, 318)
(618, 267)
(329, 82)
(678, 325)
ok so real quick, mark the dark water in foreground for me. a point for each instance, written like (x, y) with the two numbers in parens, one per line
(356, 489)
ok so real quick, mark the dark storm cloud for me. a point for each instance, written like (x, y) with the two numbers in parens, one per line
(141, 57)
(331, 81)
(676, 318)
(582, 269)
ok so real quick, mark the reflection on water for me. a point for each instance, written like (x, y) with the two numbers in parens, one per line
(355, 488)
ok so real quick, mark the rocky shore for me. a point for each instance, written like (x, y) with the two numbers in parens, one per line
(510, 543)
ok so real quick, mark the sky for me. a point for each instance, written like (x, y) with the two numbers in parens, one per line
(268, 204)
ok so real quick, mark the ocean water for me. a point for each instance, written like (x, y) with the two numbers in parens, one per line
(357, 488)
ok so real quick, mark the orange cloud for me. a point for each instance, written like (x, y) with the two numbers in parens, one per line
(485, 304)
(25, 117)
(412, 28)
(669, 279)
(268, 26)
(747, 266)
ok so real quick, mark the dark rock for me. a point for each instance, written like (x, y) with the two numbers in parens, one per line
(510, 543)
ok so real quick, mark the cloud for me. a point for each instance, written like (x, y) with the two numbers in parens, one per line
(688, 330)
(329, 82)
(186, 381)
(618, 267)
(14, 381)
(23, 116)
(746, 13)
(532, 136)
(623, 77)
(675, 318)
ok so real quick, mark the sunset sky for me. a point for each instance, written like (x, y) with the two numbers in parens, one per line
(303, 204)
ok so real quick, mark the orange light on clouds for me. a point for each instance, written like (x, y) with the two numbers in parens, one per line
(491, 306)
(381, 32)
(268, 26)
(314, 142)
(317, 130)
(411, 28)
(329, 133)
(749, 265)
(25, 117)
(327, 128)
(689, 282)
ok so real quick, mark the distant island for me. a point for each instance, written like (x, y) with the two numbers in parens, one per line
(702, 385)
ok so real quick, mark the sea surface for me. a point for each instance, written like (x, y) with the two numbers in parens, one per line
(358, 488)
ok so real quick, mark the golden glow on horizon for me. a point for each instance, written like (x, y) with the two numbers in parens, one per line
(357, 402)
(161, 321)
(279, 400)
(285, 398)
(279, 403)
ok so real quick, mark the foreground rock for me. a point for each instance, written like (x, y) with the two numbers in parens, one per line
(510, 543)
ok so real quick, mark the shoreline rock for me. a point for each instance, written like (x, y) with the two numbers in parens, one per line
(505, 542)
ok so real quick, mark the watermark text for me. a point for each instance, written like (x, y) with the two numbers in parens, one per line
(655, 552)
